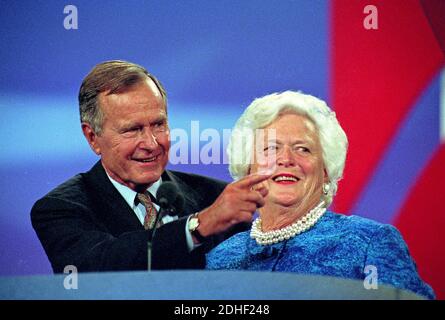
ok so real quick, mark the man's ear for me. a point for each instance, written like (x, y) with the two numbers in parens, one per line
(91, 137)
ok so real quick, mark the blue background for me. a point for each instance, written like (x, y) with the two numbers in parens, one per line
(213, 57)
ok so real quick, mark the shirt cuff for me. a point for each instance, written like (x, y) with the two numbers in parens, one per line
(189, 238)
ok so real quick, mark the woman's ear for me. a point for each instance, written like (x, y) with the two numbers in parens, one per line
(325, 176)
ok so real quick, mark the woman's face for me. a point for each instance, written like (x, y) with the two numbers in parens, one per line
(291, 150)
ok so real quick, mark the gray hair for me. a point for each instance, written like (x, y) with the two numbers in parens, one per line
(113, 76)
(263, 111)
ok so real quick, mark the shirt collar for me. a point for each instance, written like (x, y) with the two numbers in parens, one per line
(130, 195)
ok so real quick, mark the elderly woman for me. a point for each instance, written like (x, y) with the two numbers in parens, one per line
(304, 148)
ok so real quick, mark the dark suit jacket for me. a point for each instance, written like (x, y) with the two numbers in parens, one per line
(85, 222)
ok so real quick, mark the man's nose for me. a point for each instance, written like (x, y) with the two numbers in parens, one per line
(286, 157)
(148, 139)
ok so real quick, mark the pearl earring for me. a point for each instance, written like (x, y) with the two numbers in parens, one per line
(326, 187)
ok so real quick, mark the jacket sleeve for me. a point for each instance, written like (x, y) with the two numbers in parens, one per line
(388, 252)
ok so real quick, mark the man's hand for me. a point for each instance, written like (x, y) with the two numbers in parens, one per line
(237, 203)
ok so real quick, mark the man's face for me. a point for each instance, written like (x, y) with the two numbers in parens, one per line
(135, 138)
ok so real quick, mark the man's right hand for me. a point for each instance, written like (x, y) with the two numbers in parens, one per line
(237, 203)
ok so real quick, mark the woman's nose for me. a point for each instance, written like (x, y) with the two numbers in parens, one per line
(286, 157)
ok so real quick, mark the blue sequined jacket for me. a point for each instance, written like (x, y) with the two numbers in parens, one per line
(337, 245)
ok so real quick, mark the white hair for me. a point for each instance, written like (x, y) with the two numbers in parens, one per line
(263, 111)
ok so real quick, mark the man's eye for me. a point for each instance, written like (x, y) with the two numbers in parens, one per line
(132, 129)
(270, 148)
(159, 126)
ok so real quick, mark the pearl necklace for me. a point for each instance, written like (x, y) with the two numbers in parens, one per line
(301, 225)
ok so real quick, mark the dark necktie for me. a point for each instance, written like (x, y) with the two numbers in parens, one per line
(150, 210)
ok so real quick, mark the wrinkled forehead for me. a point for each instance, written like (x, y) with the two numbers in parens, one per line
(297, 117)
(142, 94)
(292, 126)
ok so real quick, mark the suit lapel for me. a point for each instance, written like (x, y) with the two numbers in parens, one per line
(190, 195)
(111, 208)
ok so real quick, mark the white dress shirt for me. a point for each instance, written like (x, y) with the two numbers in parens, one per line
(130, 196)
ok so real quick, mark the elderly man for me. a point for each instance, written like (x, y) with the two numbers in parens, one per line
(101, 220)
